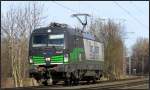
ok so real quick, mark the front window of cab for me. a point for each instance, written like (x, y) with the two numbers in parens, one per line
(56, 40)
(52, 40)
(39, 40)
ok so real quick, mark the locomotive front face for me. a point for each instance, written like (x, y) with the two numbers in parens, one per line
(48, 48)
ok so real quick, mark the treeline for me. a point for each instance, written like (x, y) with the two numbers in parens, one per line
(16, 26)
(140, 57)
(110, 33)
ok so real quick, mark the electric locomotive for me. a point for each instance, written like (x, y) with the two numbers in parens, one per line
(65, 54)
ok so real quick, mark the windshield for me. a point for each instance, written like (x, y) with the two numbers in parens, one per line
(53, 40)
(56, 40)
(39, 40)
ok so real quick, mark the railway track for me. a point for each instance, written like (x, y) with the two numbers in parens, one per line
(123, 85)
(99, 85)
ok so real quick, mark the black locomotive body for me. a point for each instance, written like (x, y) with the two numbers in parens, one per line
(63, 53)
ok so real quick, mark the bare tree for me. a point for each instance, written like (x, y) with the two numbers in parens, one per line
(140, 55)
(110, 34)
(16, 25)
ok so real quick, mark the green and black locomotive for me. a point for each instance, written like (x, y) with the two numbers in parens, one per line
(65, 54)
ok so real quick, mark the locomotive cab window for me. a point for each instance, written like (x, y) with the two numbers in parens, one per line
(39, 40)
(51, 40)
(56, 40)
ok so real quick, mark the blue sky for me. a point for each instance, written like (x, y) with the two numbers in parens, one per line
(102, 9)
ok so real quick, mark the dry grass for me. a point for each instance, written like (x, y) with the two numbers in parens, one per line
(8, 83)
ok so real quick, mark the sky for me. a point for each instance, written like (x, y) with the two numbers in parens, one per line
(134, 15)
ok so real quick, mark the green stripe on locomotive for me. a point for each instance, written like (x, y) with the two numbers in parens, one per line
(54, 59)
(73, 56)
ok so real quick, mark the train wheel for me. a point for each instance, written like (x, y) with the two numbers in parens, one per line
(75, 78)
(68, 82)
(45, 83)
(88, 82)
(76, 82)
(54, 82)
(94, 80)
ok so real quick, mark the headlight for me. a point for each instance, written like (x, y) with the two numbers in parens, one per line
(48, 59)
(31, 61)
(66, 58)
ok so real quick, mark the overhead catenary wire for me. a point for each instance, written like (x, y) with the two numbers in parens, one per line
(135, 6)
(115, 4)
(65, 7)
(130, 14)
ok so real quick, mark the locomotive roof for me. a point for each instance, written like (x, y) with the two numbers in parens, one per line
(72, 31)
